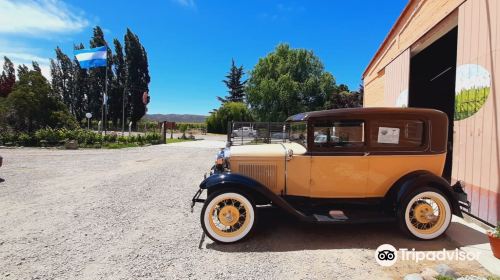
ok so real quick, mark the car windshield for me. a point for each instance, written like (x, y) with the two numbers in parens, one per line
(298, 132)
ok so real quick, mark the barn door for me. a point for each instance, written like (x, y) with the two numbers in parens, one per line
(397, 76)
(476, 157)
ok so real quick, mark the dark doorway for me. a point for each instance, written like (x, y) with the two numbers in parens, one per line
(432, 83)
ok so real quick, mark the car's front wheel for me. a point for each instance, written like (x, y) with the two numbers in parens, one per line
(227, 217)
(425, 214)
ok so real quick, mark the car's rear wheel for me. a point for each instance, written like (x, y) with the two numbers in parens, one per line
(227, 217)
(425, 214)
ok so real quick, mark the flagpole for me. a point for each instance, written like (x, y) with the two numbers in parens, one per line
(102, 115)
(106, 95)
(105, 98)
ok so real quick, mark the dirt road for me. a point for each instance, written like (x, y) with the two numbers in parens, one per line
(123, 214)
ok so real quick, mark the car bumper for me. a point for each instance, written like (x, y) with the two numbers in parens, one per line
(461, 196)
(196, 198)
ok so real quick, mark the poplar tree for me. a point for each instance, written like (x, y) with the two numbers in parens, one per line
(80, 88)
(7, 77)
(118, 85)
(136, 61)
(61, 70)
(97, 75)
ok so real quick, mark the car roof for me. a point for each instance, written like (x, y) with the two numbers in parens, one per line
(363, 111)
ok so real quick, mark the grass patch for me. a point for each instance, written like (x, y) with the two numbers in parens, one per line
(176, 140)
(442, 277)
(120, 145)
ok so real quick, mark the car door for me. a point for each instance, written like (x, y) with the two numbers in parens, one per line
(339, 165)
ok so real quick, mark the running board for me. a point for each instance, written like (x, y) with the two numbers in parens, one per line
(339, 217)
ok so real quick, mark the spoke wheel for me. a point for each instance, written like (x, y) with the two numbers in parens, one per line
(427, 214)
(227, 217)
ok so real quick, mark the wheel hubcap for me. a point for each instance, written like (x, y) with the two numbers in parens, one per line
(427, 214)
(229, 217)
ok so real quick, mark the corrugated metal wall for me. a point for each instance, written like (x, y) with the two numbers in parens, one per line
(475, 150)
(397, 77)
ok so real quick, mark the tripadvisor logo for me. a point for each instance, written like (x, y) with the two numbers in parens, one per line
(387, 255)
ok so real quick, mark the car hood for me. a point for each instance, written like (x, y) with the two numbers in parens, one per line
(267, 150)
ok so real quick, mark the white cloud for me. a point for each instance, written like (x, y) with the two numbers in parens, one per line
(19, 58)
(186, 3)
(38, 17)
(282, 12)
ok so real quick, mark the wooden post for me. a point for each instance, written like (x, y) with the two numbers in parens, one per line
(163, 133)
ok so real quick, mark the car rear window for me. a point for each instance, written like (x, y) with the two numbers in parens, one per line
(397, 133)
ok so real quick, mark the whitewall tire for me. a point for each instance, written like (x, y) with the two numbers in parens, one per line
(227, 217)
(426, 214)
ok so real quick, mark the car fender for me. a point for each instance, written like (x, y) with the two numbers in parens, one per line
(247, 185)
(412, 181)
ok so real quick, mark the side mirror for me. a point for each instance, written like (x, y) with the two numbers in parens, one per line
(289, 154)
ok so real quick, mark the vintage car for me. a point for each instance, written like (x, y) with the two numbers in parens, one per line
(373, 165)
(244, 132)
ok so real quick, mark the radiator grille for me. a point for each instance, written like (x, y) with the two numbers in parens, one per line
(264, 173)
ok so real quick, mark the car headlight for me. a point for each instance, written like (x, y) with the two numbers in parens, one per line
(222, 156)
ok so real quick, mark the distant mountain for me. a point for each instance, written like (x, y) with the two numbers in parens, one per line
(176, 118)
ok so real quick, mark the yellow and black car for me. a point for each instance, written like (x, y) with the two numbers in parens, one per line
(356, 165)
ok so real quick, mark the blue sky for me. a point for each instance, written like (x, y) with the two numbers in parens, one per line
(190, 43)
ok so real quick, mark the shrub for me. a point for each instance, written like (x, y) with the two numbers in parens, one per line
(51, 137)
(8, 137)
(24, 139)
(122, 139)
(131, 139)
(110, 138)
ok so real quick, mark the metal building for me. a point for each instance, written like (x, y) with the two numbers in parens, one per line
(444, 54)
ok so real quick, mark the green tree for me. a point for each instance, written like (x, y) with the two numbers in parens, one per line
(97, 76)
(81, 89)
(36, 67)
(230, 111)
(236, 87)
(343, 98)
(61, 70)
(119, 82)
(361, 93)
(22, 70)
(7, 77)
(31, 105)
(138, 78)
(288, 81)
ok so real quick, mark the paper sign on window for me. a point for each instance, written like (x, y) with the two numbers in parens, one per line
(388, 135)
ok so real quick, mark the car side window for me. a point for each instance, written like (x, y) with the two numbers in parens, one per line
(397, 133)
(339, 134)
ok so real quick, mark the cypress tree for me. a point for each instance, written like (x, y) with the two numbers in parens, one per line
(236, 88)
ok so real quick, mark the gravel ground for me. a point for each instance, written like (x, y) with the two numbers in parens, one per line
(123, 214)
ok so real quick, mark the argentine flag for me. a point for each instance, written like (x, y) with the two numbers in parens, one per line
(90, 58)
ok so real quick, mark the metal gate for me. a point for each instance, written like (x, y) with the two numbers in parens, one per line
(249, 133)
